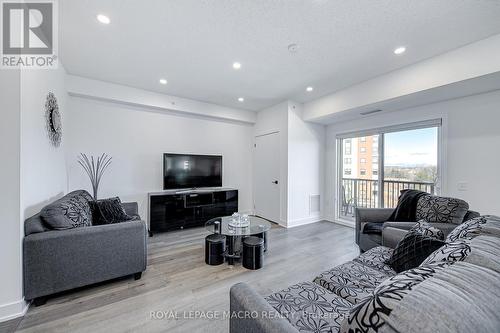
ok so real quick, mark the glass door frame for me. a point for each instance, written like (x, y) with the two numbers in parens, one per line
(431, 123)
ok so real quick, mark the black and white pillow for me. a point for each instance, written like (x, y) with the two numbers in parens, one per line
(450, 252)
(371, 314)
(412, 250)
(435, 209)
(71, 211)
(469, 229)
(426, 229)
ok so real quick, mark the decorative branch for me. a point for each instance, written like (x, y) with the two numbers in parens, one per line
(94, 168)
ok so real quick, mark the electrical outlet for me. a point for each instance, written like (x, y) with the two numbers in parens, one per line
(462, 186)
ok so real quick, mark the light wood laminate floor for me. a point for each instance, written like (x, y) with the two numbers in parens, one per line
(177, 281)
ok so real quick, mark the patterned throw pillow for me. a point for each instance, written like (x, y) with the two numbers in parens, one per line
(370, 315)
(426, 229)
(108, 211)
(434, 209)
(412, 250)
(469, 229)
(450, 252)
(71, 211)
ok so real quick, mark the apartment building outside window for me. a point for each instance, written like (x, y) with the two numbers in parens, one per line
(400, 157)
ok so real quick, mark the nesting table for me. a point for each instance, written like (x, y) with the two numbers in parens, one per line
(234, 235)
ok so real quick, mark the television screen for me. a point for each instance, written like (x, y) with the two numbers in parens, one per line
(190, 171)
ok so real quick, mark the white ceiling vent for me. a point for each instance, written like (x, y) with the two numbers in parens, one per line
(314, 204)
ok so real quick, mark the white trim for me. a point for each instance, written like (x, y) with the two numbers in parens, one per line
(436, 122)
(303, 221)
(13, 310)
(346, 223)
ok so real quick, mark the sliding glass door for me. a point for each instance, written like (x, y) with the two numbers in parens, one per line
(374, 166)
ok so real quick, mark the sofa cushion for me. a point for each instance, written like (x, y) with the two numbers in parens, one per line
(108, 211)
(426, 229)
(466, 238)
(432, 208)
(371, 314)
(449, 252)
(376, 258)
(373, 228)
(34, 224)
(474, 227)
(352, 281)
(310, 307)
(71, 211)
(459, 298)
(412, 250)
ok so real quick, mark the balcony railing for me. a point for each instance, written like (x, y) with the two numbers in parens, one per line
(364, 193)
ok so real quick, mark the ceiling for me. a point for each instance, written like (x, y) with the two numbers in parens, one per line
(193, 43)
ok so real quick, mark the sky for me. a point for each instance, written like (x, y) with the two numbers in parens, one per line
(410, 148)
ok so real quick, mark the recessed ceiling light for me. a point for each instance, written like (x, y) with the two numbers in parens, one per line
(400, 50)
(293, 48)
(103, 19)
(236, 65)
(163, 81)
(241, 99)
(309, 89)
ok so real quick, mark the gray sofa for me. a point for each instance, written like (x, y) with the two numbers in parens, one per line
(60, 260)
(455, 210)
(455, 289)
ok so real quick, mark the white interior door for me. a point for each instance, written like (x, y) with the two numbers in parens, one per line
(267, 176)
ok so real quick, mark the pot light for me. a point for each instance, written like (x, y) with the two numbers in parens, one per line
(400, 50)
(236, 65)
(163, 81)
(241, 99)
(103, 19)
(309, 89)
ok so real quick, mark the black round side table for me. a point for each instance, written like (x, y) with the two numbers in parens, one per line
(253, 252)
(215, 245)
(263, 235)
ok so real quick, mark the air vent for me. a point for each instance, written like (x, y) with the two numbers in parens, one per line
(365, 113)
(314, 204)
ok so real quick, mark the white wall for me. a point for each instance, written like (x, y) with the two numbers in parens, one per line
(43, 167)
(302, 148)
(137, 138)
(11, 304)
(270, 120)
(306, 149)
(471, 138)
(35, 171)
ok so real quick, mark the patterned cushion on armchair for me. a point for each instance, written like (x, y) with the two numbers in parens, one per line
(435, 209)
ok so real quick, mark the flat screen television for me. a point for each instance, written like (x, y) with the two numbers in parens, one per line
(191, 171)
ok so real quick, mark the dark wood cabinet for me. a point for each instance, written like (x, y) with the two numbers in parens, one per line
(177, 210)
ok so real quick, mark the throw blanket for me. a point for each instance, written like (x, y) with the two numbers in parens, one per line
(406, 210)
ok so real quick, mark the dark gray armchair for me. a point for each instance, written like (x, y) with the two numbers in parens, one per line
(59, 260)
(392, 232)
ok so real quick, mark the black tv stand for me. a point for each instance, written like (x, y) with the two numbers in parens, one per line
(178, 209)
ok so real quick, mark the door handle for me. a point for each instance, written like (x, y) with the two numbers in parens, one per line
(275, 182)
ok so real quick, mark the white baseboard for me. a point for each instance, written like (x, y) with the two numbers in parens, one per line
(303, 221)
(13, 310)
(338, 221)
